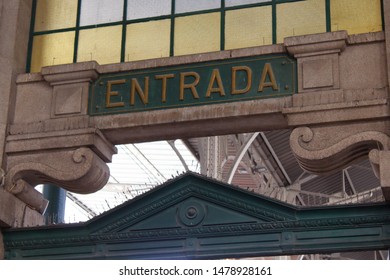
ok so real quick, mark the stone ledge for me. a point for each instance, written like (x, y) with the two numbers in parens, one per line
(305, 101)
(89, 137)
(345, 105)
(29, 78)
(366, 38)
(316, 44)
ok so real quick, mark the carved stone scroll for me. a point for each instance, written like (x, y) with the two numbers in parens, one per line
(78, 170)
(333, 156)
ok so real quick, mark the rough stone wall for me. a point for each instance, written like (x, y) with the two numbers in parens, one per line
(14, 33)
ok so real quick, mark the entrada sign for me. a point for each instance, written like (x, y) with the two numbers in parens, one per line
(193, 84)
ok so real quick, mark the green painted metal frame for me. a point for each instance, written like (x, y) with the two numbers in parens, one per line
(194, 217)
(172, 17)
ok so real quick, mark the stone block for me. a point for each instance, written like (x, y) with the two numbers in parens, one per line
(68, 100)
(317, 73)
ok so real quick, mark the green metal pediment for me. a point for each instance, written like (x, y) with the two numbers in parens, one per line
(194, 217)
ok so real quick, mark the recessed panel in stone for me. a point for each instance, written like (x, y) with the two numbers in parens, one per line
(317, 73)
(67, 100)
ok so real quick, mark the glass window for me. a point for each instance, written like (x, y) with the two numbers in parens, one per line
(148, 40)
(197, 34)
(231, 3)
(248, 27)
(100, 44)
(55, 14)
(196, 26)
(300, 18)
(137, 9)
(100, 11)
(358, 16)
(52, 49)
(185, 6)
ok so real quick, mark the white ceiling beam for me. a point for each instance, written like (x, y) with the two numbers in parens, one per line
(240, 154)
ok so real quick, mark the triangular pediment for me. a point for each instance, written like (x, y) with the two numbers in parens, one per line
(193, 216)
(190, 201)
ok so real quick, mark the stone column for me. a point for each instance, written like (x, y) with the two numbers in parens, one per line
(14, 34)
(386, 15)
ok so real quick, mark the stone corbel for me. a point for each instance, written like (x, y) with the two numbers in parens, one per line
(73, 160)
(318, 155)
(324, 150)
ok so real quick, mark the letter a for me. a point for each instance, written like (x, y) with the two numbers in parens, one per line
(267, 71)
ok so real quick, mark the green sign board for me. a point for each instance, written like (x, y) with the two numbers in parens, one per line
(193, 84)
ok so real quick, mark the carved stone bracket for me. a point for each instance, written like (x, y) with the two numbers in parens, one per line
(318, 155)
(74, 160)
(321, 151)
(77, 170)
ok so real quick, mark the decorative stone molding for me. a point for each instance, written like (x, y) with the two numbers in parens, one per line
(70, 87)
(197, 217)
(318, 59)
(77, 170)
(320, 157)
(74, 159)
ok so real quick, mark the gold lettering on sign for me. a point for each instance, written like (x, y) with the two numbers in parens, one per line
(110, 93)
(248, 71)
(267, 71)
(164, 79)
(215, 77)
(191, 86)
(142, 93)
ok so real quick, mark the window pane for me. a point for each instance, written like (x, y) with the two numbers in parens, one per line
(100, 11)
(300, 18)
(55, 14)
(358, 16)
(230, 3)
(142, 37)
(52, 49)
(185, 6)
(100, 44)
(248, 27)
(197, 34)
(147, 8)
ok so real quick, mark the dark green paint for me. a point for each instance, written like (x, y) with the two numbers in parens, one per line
(55, 212)
(77, 32)
(283, 69)
(31, 36)
(194, 217)
(124, 30)
(328, 17)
